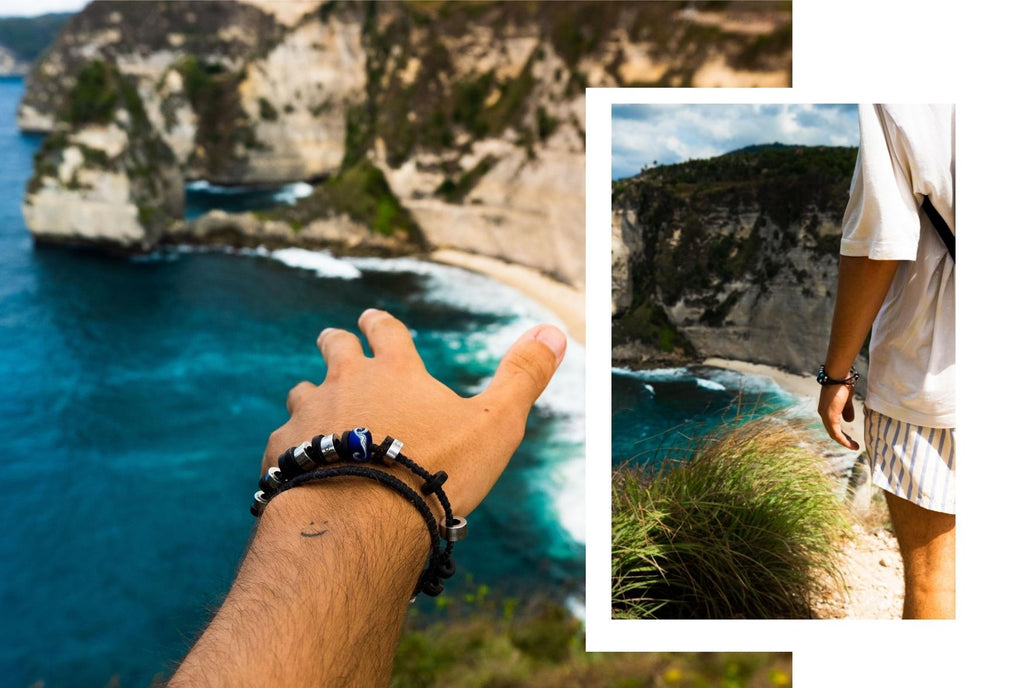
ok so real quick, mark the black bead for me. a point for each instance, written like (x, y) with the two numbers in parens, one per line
(432, 587)
(446, 567)
(290, 468)
(315, 452)
(434, 484)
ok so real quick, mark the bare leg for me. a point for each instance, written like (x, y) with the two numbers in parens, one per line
(927, 542)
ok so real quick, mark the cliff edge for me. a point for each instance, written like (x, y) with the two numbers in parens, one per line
(458, 125)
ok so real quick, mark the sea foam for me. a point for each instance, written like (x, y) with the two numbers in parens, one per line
(322, 263)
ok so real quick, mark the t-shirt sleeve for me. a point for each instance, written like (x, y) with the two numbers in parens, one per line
(881, 220)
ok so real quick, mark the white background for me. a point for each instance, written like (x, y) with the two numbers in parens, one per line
(851, 52)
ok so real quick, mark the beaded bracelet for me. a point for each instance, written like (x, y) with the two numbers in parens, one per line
(824, 379)
(314, 460)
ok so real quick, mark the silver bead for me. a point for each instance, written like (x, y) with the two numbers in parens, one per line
(274, 479)
(395, 449)
(301, 454)
(453, 531)
(327, 449)
(259, 503)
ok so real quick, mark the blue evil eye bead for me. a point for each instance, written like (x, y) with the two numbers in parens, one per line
(354, 445)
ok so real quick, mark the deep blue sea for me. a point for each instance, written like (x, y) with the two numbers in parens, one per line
(122, 383)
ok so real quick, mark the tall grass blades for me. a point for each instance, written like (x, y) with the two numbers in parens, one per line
(746, 527)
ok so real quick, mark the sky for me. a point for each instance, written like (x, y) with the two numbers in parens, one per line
(643, 134)
(32, 8)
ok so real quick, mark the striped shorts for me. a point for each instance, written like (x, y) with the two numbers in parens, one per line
(912, 461)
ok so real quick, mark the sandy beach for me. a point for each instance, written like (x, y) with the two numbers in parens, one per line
(564, 301)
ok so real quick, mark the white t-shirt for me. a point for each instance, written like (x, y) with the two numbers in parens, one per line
(907, 152)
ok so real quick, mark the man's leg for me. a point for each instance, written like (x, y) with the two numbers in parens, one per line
(927, 542)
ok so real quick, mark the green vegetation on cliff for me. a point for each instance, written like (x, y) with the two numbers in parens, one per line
(360, 191)
(223, 126)
(93, 97)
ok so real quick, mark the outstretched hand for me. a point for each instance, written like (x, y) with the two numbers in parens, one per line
(326, 609)
(391, 393)
(835, 404)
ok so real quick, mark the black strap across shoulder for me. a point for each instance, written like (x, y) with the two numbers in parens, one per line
(947, 236)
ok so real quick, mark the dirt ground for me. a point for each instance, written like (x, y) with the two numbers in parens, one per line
(872, 586)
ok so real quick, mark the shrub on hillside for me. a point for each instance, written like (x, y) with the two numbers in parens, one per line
(749, 526)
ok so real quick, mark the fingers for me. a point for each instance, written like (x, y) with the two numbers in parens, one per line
(848, 414)
(296, 393)
(338, 346)
(527, 368)
(833, 408)
(388, 337)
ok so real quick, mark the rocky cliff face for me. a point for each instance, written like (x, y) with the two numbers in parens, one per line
(454, 124)
(105, 177)
(733, 257)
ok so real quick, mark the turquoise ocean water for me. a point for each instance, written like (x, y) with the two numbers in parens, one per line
(136, 396)
(663, 414)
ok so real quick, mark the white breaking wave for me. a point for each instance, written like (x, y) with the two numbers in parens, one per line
(745, 383)
(322, 263)
(287, 193)
(709, 384)
(649, 389)
(714, 379)
(290, 193)
(656, 374)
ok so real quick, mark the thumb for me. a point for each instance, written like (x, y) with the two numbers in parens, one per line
(527, 367)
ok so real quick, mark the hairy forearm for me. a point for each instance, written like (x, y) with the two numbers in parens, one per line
(321, 595)
(863, 284)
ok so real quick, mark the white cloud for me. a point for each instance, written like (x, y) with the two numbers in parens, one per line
(32, 8)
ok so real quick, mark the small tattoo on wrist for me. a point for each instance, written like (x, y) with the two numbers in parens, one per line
(312, 530)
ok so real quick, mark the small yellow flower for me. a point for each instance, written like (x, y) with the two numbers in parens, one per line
(672, 676)
(778, 678)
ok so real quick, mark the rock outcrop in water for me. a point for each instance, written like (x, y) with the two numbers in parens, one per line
(429, 124)
(734, 257)
(107, 178)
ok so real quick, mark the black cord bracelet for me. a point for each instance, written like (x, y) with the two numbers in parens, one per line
(316, 459)
(823, 378)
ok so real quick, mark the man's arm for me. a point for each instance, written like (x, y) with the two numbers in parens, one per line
(863, 284)
(321, 595)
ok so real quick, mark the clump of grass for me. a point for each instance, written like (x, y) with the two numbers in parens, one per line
(749, 526)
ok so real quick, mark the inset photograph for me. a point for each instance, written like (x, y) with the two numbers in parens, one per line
(782, 343)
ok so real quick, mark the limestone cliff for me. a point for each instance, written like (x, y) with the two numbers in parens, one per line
(734, 257)
(454, 124)
(104, 177)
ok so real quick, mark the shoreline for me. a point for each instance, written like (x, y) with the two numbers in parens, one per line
(567, 303)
